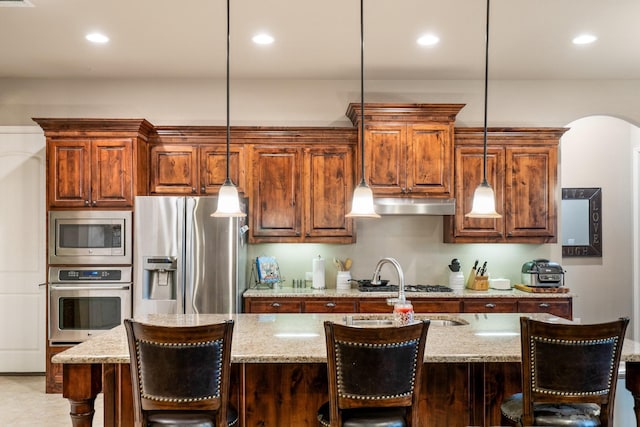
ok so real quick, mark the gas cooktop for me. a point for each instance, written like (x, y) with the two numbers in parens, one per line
(407, 288)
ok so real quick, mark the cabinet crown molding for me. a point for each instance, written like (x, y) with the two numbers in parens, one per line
(390, 112)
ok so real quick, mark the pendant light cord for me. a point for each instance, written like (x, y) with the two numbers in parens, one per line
(486, 86)
(228, 179)
(362, 180)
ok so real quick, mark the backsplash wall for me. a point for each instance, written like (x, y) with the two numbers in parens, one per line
(416, 242)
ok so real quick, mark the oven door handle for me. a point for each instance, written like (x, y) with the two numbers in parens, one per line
(91, 288)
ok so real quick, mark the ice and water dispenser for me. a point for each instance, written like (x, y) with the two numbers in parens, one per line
(160, 280)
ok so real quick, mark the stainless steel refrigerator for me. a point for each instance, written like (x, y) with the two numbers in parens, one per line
(185, 260)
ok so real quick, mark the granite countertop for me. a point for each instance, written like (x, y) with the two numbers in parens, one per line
(288, 292)
(299, 338)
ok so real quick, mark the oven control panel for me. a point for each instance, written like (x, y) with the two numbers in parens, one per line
(88, 274)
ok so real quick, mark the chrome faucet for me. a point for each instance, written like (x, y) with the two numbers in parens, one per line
(396, 265)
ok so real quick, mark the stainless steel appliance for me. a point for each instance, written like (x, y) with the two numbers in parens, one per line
(90, 237)
(85, 301)
(542, 273)
(185, 260)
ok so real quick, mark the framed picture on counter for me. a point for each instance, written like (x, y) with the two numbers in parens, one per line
(268, 269)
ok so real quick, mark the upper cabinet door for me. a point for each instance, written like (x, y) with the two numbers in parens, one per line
(90, 173)
(469, 174)
(276, 187)
(213, 167)
(69, 173)
(111, 173)
(429, 160)
(531, 184)
(174, 169)
(328, 177)
(385, 158)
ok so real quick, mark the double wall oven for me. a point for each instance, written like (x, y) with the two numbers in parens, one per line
(90, 273)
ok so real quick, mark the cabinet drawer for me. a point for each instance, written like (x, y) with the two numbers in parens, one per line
(560, 308)
(329, 306)
(374, 306)
(436, 306)
(275, 306)
(489, 306)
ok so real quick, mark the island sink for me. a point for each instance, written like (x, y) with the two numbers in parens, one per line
(372, 321)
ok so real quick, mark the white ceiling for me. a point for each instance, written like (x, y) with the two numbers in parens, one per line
(529, 39)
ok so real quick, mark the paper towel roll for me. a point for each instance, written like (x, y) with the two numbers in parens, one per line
(318, 273)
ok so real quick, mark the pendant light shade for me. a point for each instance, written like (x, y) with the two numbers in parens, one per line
(484, 201)
(228, 199)
(362, 204)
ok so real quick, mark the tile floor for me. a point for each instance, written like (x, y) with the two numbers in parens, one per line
(23, 403)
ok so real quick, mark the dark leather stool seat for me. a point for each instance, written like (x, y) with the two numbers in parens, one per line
(189, 419)
(559, 415)
(180, 374)
(368, 417)
(569, 374)
(374, 375)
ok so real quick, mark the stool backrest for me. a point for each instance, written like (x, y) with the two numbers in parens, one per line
(569, 363)
(180, 368)
(375, 367)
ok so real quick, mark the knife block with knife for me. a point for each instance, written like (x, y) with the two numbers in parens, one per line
(477, 281)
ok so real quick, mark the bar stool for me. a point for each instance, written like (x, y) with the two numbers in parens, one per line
(180, 375)
(569, 374)
(374, 375)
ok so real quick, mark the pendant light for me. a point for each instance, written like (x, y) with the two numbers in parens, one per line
(484, 201)
(228, 199)
(362, 203)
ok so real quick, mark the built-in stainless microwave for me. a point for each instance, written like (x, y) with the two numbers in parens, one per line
(90, 237)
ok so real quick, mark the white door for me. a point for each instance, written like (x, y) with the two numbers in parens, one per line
(22, 249)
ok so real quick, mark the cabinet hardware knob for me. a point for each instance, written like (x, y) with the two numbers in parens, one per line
(86, 203)
(330, 304)
(203, 189)
(93, 203)
(275, 304)
(193, 189)
(544, 305)
(410, 189)
(490, 305)
(404, 190)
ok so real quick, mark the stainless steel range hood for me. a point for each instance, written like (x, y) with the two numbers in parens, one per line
(407, 206)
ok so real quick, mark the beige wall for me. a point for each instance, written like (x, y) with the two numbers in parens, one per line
(592, 154)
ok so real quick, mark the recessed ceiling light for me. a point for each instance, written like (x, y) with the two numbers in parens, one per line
(584, 39)
(428, 40)
(262, 39)
(97, 38)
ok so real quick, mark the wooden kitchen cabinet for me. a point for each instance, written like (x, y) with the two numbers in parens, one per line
(337, 305)
(522, 168)
(408, 148)
(301, 194)
(195, 169)
(94, 163)
(556, 306)
(279, 305)
(494, 305)
(53, 379)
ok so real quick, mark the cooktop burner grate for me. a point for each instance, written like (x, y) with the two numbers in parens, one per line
(407, 288)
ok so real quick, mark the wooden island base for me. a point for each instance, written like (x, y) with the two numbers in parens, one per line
(277, 395)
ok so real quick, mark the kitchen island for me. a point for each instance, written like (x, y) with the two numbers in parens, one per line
(279, 368)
